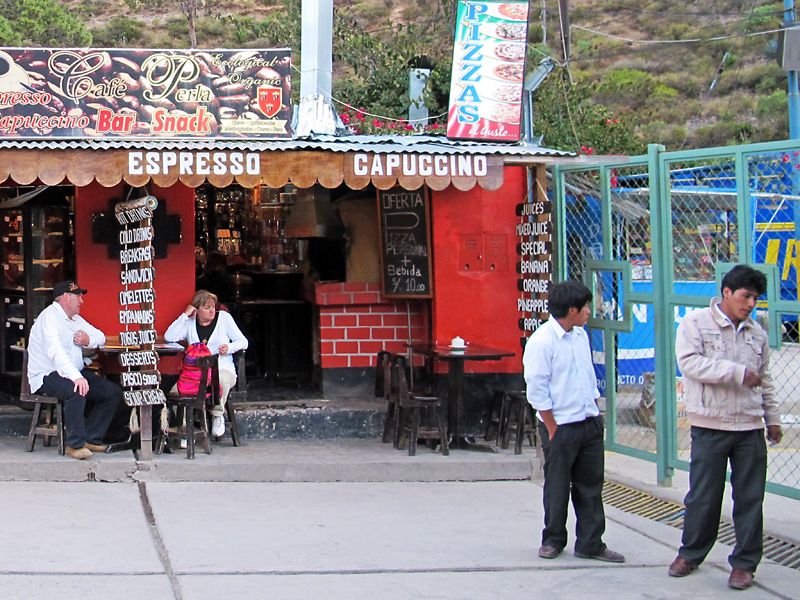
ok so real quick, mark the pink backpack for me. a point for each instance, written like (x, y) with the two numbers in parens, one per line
(189, 377)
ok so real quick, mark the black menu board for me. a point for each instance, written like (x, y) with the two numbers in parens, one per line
(405, 237)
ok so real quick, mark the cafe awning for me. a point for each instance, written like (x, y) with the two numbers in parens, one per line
(384, 161)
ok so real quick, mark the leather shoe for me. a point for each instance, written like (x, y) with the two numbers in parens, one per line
(548, 552)
(606, 556)
(740, 579)
(681, 567)
(79, 453)
(96, 447)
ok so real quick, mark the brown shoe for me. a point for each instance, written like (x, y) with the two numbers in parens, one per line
(681, 567)
(606, 556)
(548, 552)
(740, 579)
(96, 447)
(80, 453)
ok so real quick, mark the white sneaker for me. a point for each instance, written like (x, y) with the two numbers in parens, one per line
(217, 426)
(183, 443)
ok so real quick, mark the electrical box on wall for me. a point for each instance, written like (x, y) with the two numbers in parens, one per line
(482, 252)
(470, 248)
(495, 251)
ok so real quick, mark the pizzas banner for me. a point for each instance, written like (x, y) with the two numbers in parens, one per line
(87, 93)
(488, 71)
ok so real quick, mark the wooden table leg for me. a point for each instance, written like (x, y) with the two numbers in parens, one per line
(460, 441)
(146, 432)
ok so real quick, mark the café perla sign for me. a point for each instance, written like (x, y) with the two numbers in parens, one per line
(193, 163)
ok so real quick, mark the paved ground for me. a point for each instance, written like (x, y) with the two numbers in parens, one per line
(335, 519)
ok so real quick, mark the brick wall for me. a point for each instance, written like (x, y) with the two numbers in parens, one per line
(356, 321)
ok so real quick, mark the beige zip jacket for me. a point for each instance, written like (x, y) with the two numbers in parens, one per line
(712, 357)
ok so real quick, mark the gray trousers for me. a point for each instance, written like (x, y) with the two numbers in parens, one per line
(711, 451)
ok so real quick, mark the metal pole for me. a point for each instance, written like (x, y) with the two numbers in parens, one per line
(664, 323)
(794, 89)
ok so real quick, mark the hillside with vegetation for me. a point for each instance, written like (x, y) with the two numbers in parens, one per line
(682, 73)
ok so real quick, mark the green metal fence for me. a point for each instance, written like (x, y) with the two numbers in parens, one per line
(652, 236)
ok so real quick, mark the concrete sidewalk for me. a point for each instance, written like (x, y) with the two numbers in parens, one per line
(356, 540)
(347, 460)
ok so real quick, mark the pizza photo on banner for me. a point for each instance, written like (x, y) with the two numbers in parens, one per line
(488, 71)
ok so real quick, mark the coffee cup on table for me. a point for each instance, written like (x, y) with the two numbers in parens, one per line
(457, 342)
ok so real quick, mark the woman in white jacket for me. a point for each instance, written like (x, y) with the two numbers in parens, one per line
(202, 322)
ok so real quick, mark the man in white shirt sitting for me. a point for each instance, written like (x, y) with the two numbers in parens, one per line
(562, 388)
(56, 368)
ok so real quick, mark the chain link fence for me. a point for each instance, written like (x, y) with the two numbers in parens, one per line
(709, 218)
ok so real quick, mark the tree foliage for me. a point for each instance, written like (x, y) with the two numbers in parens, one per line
(40, 23)
(568, 119)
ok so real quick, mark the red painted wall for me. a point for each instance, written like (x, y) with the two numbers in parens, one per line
(479, 303)
(100, 275)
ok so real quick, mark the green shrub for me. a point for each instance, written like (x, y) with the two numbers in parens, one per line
(120, 31)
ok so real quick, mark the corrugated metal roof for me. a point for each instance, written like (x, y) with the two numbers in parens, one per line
(423, 144)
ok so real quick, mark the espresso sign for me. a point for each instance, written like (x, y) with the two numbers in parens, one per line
(83, 92)
(405, 242)
(136, 303)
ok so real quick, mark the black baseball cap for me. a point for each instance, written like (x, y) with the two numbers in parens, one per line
(69, 286)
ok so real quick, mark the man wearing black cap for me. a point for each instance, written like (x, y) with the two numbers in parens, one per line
(56, 368)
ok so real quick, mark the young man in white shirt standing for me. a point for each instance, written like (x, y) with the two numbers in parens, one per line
(562, 388)
(56, 368)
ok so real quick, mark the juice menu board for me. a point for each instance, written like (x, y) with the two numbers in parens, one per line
(88, 92)
(488, 71)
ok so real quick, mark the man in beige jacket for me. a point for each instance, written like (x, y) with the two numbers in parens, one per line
(723, 356)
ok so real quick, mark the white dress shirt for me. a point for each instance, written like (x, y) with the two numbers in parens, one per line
(51, 346)
(559, 374)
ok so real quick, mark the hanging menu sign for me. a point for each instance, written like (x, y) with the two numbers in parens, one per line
(534, 263)
(137, 303)
(488, 71)
(405, 241)
(115, 92)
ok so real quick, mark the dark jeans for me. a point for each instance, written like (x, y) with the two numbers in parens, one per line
(574, 464)
(102, 400)
(711, 451)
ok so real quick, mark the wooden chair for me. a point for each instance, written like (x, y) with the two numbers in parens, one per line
(410, 410)
(236, 395)
(387, 389)
(53, 424)
(187, 408)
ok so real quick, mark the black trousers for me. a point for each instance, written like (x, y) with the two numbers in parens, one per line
(711, 451)
(574, 464)
(86, 418)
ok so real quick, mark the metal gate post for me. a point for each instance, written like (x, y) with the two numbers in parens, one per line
(663, 325)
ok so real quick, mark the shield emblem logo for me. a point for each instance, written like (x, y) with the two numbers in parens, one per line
(269, 100)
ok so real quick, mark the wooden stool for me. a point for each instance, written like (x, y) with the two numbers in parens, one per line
(519, 418)
(493, 426)
(53, 424)
(185, 406)
(409, 416)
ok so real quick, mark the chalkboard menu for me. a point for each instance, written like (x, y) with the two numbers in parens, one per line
(405, 236)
